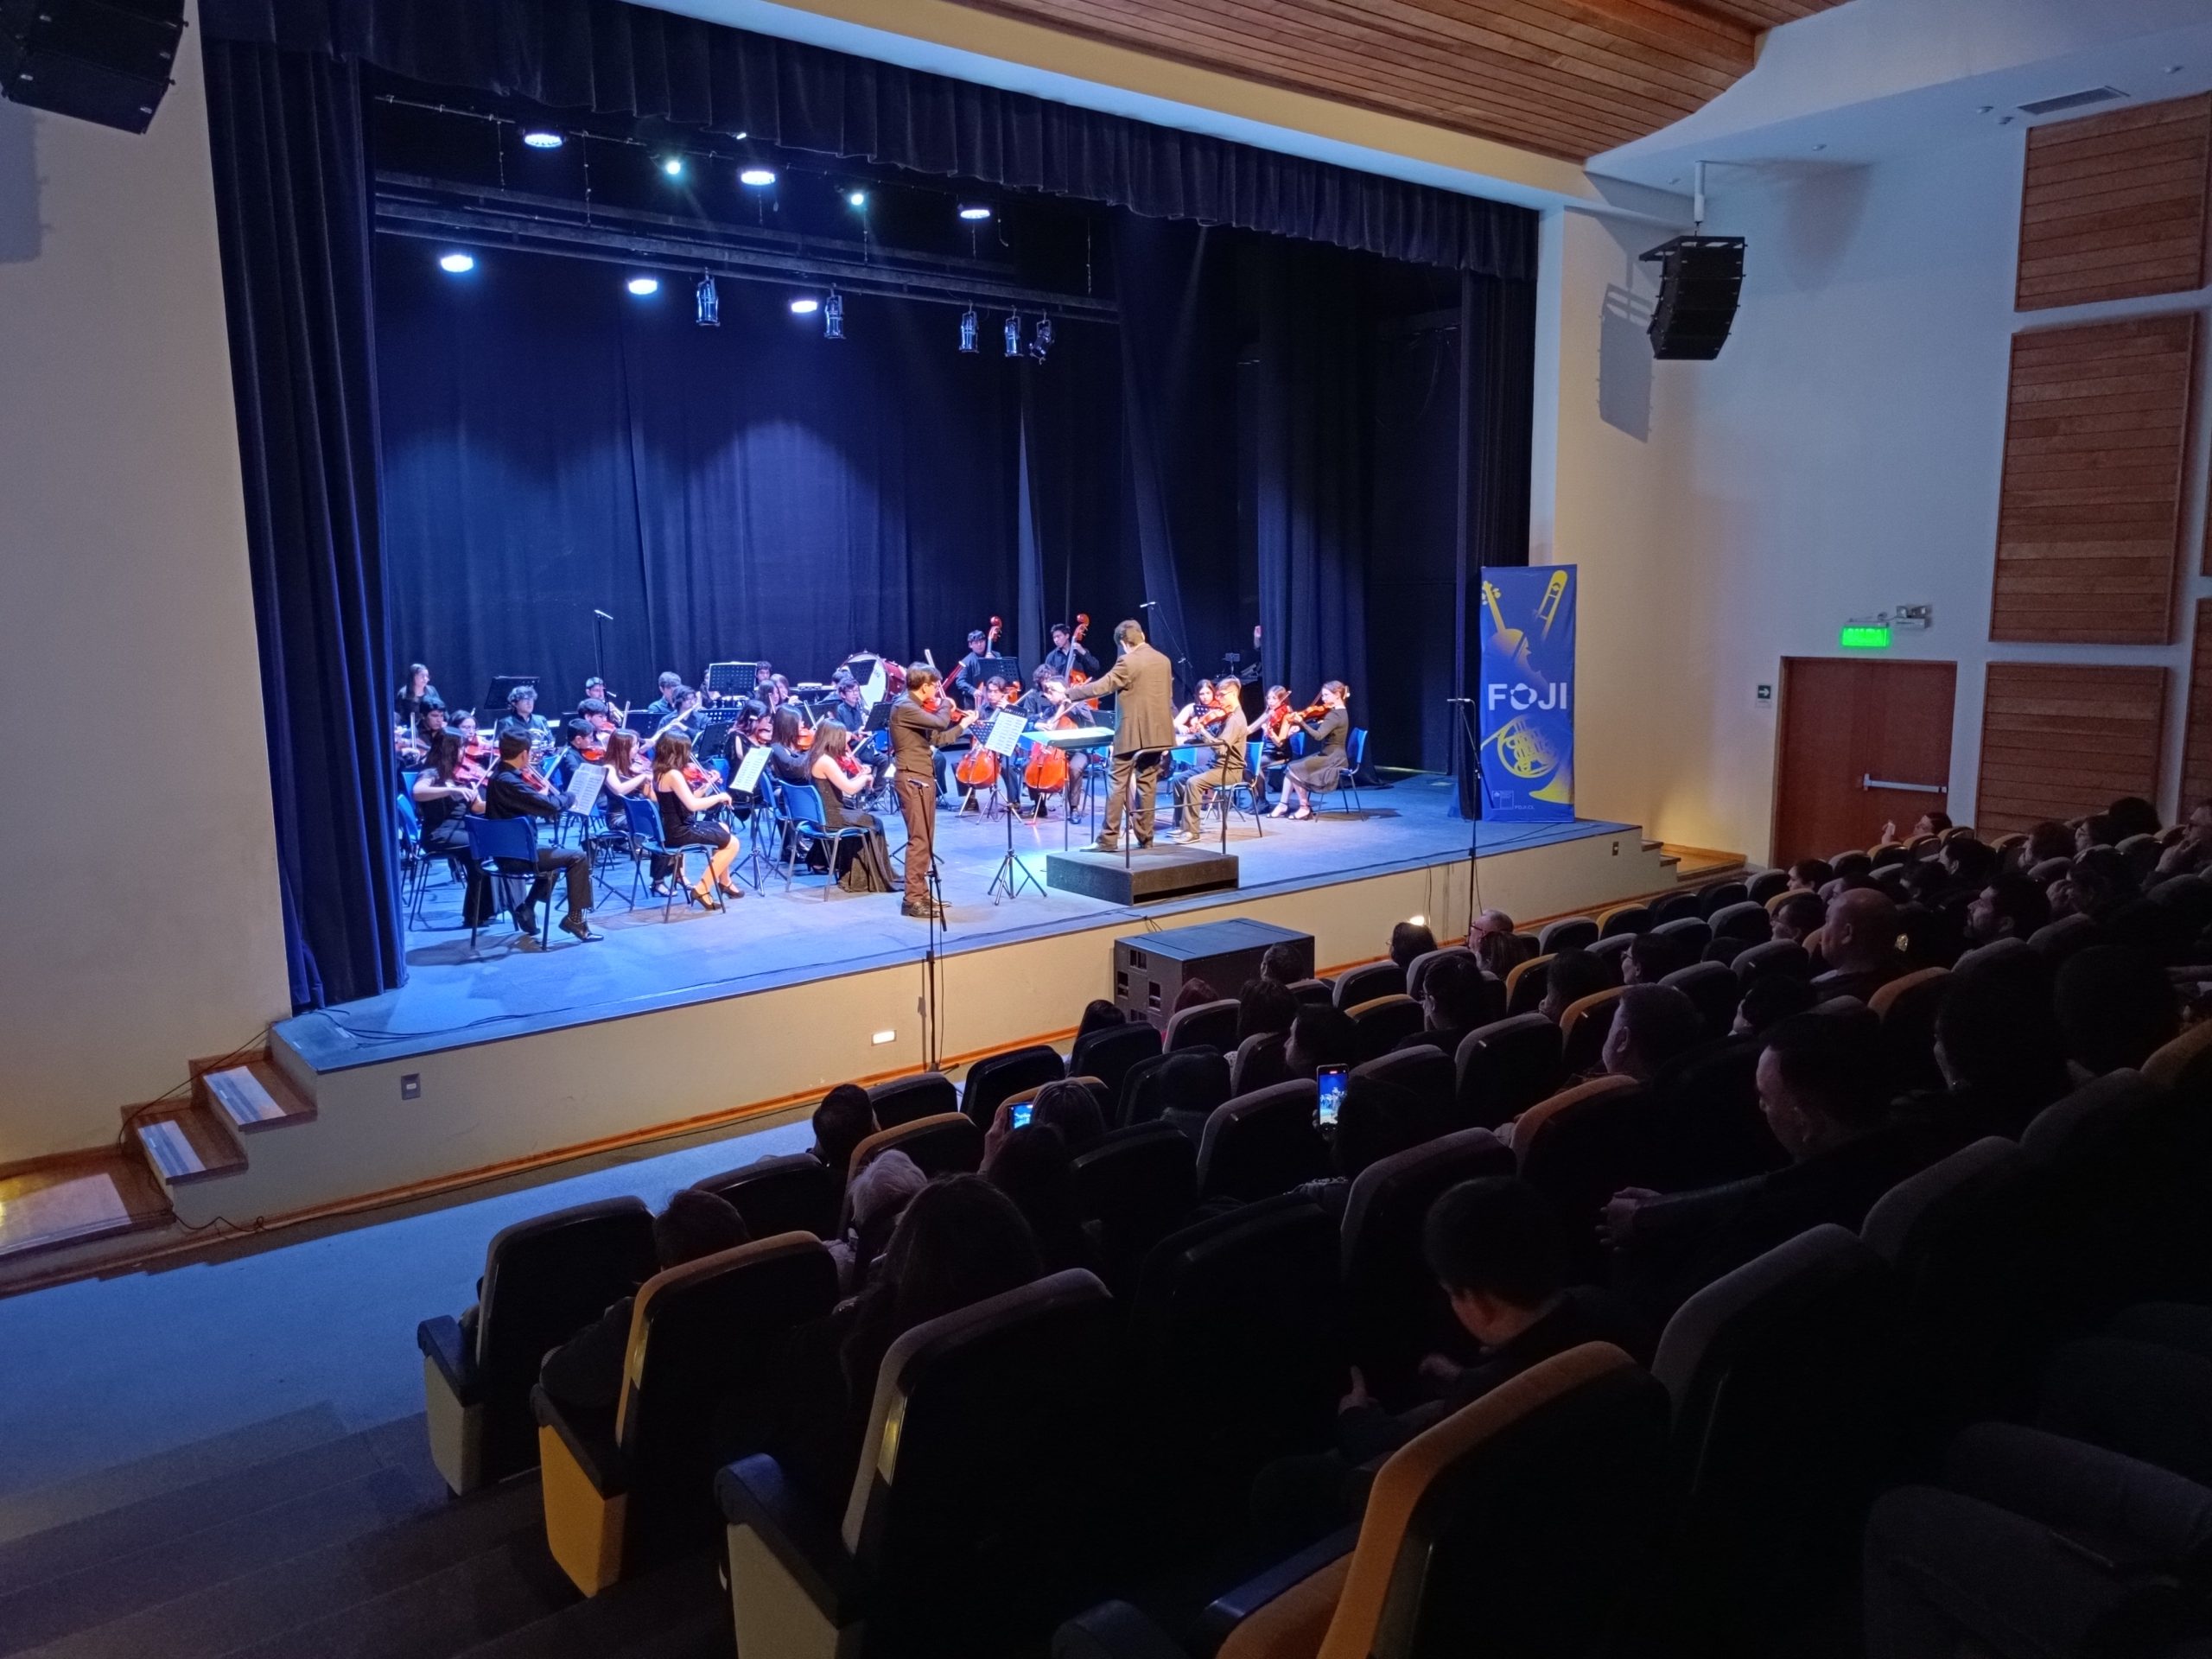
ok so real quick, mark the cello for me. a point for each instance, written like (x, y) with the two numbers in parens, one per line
(979, 767)
(1047, 770)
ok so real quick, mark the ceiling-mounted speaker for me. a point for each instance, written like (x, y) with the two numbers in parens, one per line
(1700, 280)
(103, 61)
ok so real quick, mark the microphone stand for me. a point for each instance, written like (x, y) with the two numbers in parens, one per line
(598, 621)
(1473, 749)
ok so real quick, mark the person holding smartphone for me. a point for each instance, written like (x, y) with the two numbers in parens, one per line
(1363, 1120)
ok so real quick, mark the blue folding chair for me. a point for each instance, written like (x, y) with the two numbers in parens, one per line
(414, 863)
(503, 850)
(802, 808)
(1348, 780)
(642, 818)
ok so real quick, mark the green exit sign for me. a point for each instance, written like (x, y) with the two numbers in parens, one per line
(1857, 636)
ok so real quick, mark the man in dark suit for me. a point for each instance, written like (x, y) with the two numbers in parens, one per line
(1142, 683)
(515, 791)
(922, 722)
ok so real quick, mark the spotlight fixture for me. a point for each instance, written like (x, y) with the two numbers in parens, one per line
(672, 165)
(759, 178)
(833, 317)
(542, 138)
(805, 306)
(856, 198)
(1041, 339)
(643, 286)
(709, 302)
(968, 330)
(974, 210)
(459, 263)
(1013, 333)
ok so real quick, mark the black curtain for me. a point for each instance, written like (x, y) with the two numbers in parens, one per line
(609, 56)
(1412, 554)
(293, 220)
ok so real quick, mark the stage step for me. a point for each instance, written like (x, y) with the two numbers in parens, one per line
(49, 1204)
(184, 1144)
(255, 1097)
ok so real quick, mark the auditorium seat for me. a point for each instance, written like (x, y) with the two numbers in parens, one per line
(2056, 941)
(1746, 919)
(795, 1193)
(621, 1495)
(1137, 1187)
(1612, 952)
(1676, 906)
(1258, 1062)
(1504, 1069)
(1582, 1145)
(544, 1280)
(1206, 1085)
(1417, 970)
(929, 1094)
(973, 1521)
(1690, 935)
(1397, 1313)
(1725, 950)
(1722, 895)
(996, 1077)
(1623, 919)
(1713, 988)
(1380, 1024)
(1707, 1116)
(1205, 1024)
(2050, 870)
(1313, 990)
(1108, 1052)
(1424, 1072)
(1263, 1143)
(1767, 883)
(1784, 1376)
(1522, 1524)
(1235, 1357)
(1524, 985)
(1367, 981)
(1907, 1006)
(1568, 933)
(2183, 1065)
(1582, 1028)
(950, 1144)
(1775, 956)
(2141, 853)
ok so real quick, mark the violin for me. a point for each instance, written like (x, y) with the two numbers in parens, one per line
(1313, 711)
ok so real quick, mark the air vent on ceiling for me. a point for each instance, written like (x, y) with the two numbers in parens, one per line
(2072, 100)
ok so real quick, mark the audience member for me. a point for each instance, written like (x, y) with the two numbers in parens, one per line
(1265, 1005)
(1853, 868)
(1409, 940)
(1652, 956)
(1968, 864)
(1280, 964)
(2010, 908)
(583, 1375)
(1570, 975)
(1097, 1015)
(1455, 999)
(1810, 876)
(2097, 886)
(1321, 1035)
(1377, 1118)
(1196, 989)
(1770, 999)
(1071, 1111)
(2130, 814)
(1652, 1024)
(1491, 938)
(1998, 1047)
(841, 1121)
(1033, 1167)
(2116, 1008)
(1858, 942)
(960, 1240)
(1797, 917)
(2048, 840)
(2192, 853)
(2095, 830)
(875, 1200)
(1928, 823)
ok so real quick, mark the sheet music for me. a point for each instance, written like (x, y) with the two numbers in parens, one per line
(1006, 728)
(747, 781)
(584, 784)
(872, 693)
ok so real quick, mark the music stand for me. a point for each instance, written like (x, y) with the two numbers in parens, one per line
(733, 680)
(502, 685)
(1006, 729)
(1006, 668)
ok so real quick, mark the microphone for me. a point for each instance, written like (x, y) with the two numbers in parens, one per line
(607, 616)
(1146, 604)
(1459, 699)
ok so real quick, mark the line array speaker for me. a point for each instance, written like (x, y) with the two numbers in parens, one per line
(103, 61)
(1701, 279)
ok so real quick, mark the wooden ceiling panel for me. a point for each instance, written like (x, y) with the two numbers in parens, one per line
(1568, 78)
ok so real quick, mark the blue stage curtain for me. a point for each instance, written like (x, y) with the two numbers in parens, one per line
(611, 56)
(292, 214)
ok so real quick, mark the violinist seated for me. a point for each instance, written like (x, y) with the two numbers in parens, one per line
(517, 791)
(444, 798)
(1221, 733)
(1193, 723)
(1274, 731)
(685, 791)
(1045, 768)
(630, 777)
(583, 746)
(863, 863)
(1327, 727)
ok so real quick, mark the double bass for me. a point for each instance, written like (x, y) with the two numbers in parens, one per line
(1075, 675)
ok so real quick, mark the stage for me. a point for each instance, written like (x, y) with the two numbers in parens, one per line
(504, 1059)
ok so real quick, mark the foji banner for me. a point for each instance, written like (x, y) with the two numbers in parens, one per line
(1525, 699)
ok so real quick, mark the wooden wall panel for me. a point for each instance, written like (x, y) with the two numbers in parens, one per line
(1568, 78)
(2088, 527)
(2113, 206)
(2197, 748)
(2061, 739)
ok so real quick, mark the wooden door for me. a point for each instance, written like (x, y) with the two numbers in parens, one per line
(1862, 740)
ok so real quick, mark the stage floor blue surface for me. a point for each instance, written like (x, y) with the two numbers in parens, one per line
(457, 995)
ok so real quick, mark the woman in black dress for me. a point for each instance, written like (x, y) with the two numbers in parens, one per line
(443, 800)
(1324, 761)
(863, 863)
(681, 803)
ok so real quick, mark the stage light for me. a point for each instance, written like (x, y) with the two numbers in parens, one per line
(644, 286)
(856, 198)
(709, 299)
(672, 165)
(542, 138)
(805, 306)
(1041, 339)
(968, 330)
(833, 317)
(1013, 333)
(974, 210)
(459, 263)
(758, 178)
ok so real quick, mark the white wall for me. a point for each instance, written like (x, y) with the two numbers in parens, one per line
(140, 920)
(1842, 456)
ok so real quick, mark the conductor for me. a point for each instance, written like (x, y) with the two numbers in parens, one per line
(1142, 683)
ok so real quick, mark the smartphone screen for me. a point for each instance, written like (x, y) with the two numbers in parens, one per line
(1331, 1079)
(1017, 1115)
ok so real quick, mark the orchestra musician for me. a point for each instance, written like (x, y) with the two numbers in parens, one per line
(1224, 732)
(523, 720)
(595, 691)
(630, 777)
(1328, 728)
(415, 695)
(1047, 709)
(862, 864)
(663, 707)
(967, 680)
(1066, 656)
(582, 743)
(981, 770)
(444, 798)
(515, 791)
(921, 722)
(1142, 683)
(785, 758)
(681, 821)
(1272, 729)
